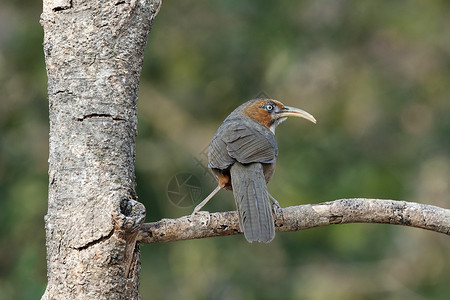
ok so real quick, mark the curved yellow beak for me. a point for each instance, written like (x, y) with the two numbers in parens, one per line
(288, 111)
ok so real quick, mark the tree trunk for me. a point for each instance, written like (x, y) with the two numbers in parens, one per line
(94, 53)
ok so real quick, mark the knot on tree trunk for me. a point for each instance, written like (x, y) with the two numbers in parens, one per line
(127, 220)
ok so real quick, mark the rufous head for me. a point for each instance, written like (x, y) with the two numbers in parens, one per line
(271, 113)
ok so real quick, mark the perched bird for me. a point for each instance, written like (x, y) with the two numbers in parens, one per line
(242, 156)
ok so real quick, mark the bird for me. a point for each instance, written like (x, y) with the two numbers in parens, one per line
(242, 157)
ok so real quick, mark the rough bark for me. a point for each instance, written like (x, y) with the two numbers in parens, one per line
(296, 218)
(94, 52)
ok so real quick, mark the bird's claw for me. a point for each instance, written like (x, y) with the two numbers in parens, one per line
(201, 215)
(197, 210)
(194, 213)
(276, 207)
(275, 204)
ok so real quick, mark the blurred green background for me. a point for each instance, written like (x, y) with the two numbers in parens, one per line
(375, 74)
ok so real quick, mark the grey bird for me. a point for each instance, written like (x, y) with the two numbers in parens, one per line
(242, 156)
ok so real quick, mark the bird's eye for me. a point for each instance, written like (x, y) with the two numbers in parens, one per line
(269, 107)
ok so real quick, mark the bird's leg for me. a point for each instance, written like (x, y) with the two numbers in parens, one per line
(199, 207)
(276, 205)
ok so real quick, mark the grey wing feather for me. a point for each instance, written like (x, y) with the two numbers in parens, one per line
(218, 154)
(243, 142)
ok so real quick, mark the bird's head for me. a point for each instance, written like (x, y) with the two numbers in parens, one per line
(272, 113)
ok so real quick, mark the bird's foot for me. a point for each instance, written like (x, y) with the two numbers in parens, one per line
(196, 211)
(199, 207)
(275, 204)
(203, 216)
(276, 207)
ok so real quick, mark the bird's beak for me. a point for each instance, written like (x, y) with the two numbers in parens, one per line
(288, 111)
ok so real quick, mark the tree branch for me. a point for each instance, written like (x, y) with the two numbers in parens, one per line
(294, 218)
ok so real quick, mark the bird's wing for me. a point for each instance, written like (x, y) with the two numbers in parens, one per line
(243, 142)
(218, 154)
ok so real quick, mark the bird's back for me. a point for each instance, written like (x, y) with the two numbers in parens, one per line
(241, 139)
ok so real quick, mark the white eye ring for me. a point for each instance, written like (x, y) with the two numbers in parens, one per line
(269, 107)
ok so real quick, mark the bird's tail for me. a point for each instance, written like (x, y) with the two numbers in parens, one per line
(252, 201)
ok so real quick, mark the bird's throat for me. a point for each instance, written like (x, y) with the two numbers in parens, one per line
(275, 122)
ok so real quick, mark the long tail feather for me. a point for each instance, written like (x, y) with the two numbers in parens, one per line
(253, 205)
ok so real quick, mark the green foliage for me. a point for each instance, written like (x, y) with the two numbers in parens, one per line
(375, 74)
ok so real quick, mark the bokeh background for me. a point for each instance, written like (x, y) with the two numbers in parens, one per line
(375, 74)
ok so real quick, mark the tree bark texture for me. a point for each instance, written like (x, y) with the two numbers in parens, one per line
(94, 53)
(294, 218)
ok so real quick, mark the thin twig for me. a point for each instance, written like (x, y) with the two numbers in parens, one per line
(294, 218)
